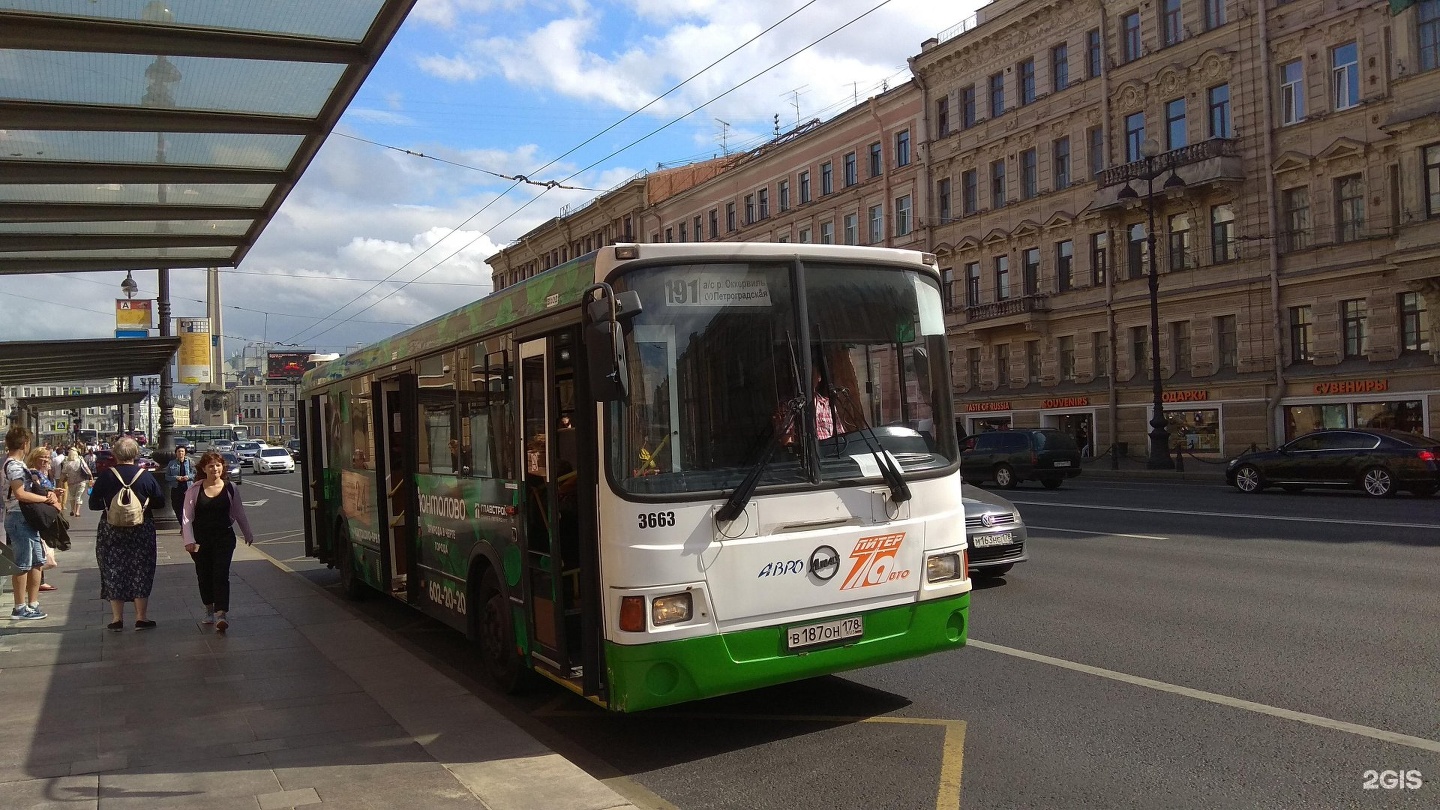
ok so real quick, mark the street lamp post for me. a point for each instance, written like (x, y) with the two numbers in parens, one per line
(1159, 433)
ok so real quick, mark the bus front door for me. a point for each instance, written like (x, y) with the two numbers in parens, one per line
(397, 496)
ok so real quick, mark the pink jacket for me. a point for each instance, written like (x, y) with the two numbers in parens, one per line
(237, 512)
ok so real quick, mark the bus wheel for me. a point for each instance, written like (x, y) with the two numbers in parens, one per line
(495, 632)
(350, 583)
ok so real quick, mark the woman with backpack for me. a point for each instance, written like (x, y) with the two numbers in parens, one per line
(75, 475)
(126, 498)
(207, 522)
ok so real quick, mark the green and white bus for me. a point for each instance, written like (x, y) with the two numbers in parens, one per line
(659, 472)
(202, 436)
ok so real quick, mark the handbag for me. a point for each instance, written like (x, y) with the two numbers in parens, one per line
(58, 535)
(40, 516)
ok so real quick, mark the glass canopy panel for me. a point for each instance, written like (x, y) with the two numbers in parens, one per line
(344, 20)
(238, 194)
(181, 227)
(218, 85)
(182, 148)
(124, 253)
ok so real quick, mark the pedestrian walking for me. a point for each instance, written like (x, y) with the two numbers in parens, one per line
(207, 523)
(126, 554)
(75, 474)
(24, 539)
(179, 474)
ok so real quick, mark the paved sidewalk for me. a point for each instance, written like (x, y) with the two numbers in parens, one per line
(300, 704)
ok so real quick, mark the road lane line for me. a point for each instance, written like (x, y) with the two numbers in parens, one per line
(1220, 514)
(1223, 700)
(271, 488)
(1103, 534)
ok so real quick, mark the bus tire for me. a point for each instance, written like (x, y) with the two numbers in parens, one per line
(350, 583)
(495, 635)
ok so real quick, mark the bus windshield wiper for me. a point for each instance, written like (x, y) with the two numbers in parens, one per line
(794, 410)
(899, 490)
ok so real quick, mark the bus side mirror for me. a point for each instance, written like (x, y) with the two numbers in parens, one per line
(606, 363)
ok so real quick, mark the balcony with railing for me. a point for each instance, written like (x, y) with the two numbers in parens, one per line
(1023, 306)
(1200, 165)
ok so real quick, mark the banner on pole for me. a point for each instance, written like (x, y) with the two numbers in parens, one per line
(133, 317)
(194, 364)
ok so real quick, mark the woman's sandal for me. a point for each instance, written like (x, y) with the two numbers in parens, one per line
(144, 624)
(116, 626)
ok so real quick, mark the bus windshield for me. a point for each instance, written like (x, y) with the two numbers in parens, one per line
(725, 364)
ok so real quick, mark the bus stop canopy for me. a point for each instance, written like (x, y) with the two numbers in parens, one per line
(71, 401)
(50, 361)
(136, 136)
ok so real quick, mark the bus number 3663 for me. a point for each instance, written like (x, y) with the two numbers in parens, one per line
(656, 520)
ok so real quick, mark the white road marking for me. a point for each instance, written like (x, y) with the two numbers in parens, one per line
(1223, 700)
(1104, 534)
(271, 488)
(260, 502)
(1283, 518)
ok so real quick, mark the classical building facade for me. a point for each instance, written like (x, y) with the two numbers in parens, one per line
(1288, 154)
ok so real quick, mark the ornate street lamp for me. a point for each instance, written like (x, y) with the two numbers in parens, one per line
(1159, 427)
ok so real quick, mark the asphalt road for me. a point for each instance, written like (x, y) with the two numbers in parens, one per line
(1167, 645)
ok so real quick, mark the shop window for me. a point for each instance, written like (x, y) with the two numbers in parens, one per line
(1197, 430)
(1407, 416)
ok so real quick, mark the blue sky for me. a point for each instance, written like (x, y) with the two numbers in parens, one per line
(507, 87)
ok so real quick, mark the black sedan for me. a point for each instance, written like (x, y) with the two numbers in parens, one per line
(1379, 462)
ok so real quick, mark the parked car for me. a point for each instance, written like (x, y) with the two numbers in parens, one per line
(1379, 462)
(273, 459)
(1008, 457)
(994, 530)
(234, 468)
(247, 451)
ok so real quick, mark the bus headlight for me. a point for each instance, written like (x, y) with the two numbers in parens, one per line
(670, 609)
(942, 567)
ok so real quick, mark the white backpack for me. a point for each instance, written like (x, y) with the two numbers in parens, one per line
(126, 508)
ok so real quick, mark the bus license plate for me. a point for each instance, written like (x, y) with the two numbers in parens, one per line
(812, 634)
(1001, 539)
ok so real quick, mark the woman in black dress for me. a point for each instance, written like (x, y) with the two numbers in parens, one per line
(126, 554)
(207, 523)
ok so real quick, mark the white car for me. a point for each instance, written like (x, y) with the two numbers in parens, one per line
(273, 459)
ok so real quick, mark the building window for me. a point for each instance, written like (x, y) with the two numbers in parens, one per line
(972, 284)
(851, 175)
(997, 184)
(1099, 258)
(1344, 76)
(1032, 361)
(1170, 24)
(827, 178)
(1223, 247)
(1352, 313)
(714, 223)
(1130, 36)
(1064, 265)
(1030, 270)
(942, 199)
(1180, 255)
(1029, 174)
(749, 209)
(1002, 278)
(972, 367)
(1059, 67)
(669, 234)
(1219, 102)
(1414, 323)
(699, 235)
(997, 95)
(1136, 252)
(684, 233)
(1175, 135)
(967, 106)
(764, 195)
(1226, 341)
(1292, 92)
(1026, 73)
(1100, 353)
(827, 233)
(730, 216)
(805, 187)
(805, 237)
(1180, 347)
(1432, 178)
(877, 165)
(969, 192)
(902, 148)
(1140, 351)
(1214, 14)
(1095, 54)
(1066, 351)
(902, 216)
(784, 195)
(942, 117)
(1302, 324)
(1428, 27)
(1349, 208)
(1060, 154)
(877, 224)
(1134, 136)
(1095, 143)
(1002, 364)
(1295, 211)
(852, 229)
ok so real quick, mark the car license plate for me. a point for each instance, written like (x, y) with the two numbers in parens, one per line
(811, 634)
(1062, 464)
(1001, 539)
